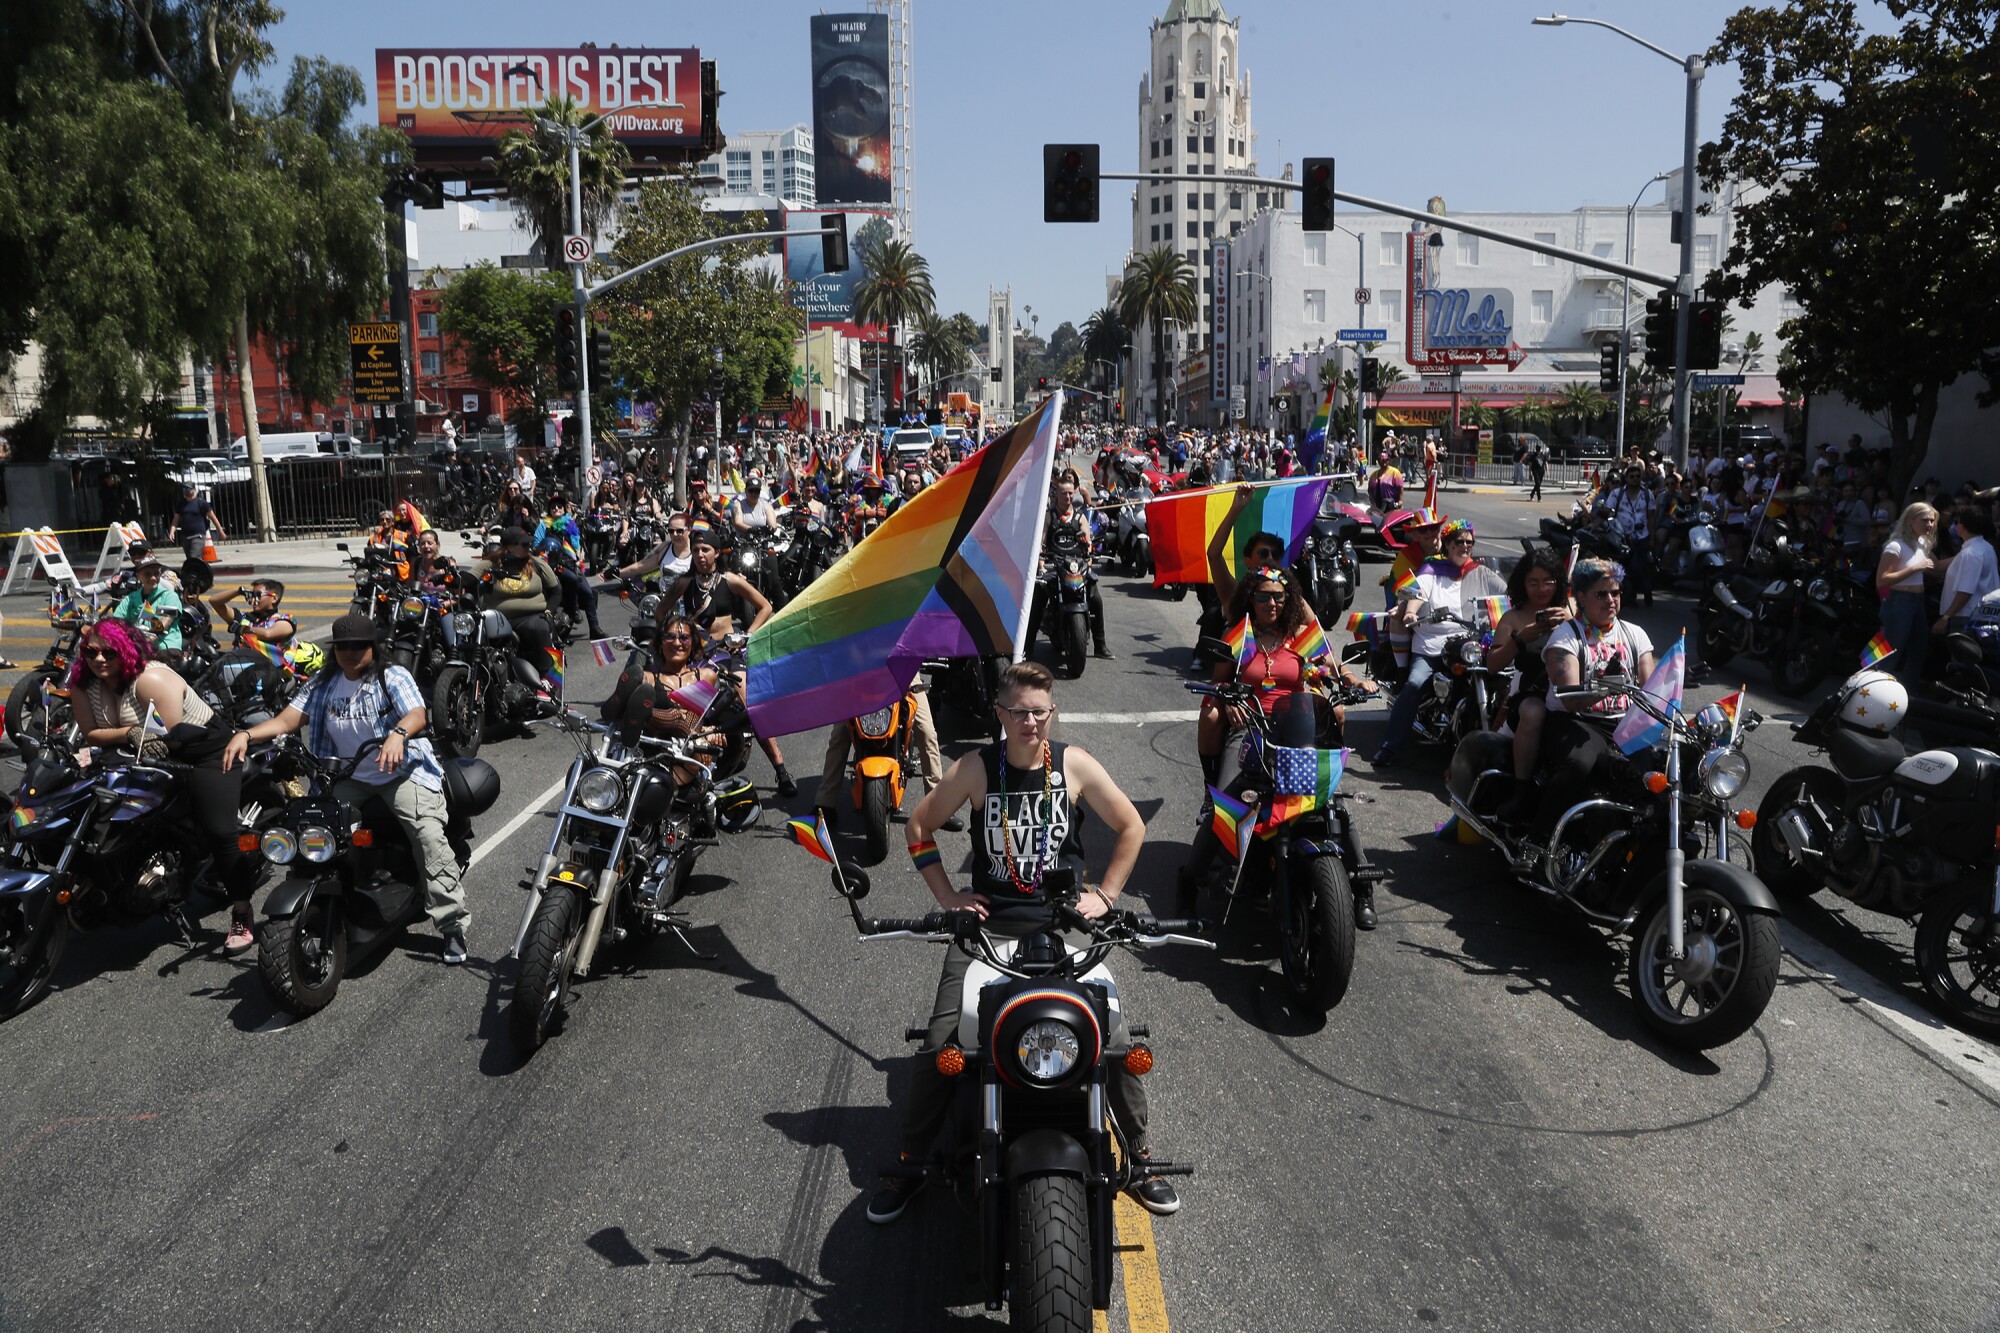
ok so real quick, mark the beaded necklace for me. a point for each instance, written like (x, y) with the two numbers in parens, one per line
(1006, 827)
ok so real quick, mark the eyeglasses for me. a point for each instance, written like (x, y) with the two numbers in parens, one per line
(1028, 714)
(682, 637)
(1460, 541)
(1608, 594)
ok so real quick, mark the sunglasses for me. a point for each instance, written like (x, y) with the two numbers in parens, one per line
(682, 637)
(98, 653)
(354, 647)
(1267, 597)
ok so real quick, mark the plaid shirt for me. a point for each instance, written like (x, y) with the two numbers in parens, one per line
(420, 762)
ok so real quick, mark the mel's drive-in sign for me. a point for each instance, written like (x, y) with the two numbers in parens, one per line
(456, 102)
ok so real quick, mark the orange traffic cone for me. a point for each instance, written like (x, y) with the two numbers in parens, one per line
(208, 548)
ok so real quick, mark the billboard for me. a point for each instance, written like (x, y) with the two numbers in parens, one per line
(828, 298)
(850, 74)
(453, 103)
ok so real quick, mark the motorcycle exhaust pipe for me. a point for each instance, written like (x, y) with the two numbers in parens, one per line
(1792, 827)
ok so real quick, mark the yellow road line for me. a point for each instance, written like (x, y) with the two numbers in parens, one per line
(1145, 1296)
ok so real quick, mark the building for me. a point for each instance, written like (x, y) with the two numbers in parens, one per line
(761, 169)
(1291, 292)
(1194, 118)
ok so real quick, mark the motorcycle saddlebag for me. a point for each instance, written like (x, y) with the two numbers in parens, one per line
(1475, 754)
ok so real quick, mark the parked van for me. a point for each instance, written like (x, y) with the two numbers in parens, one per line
(279, 444)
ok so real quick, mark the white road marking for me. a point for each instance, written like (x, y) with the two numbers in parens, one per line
(1967, 1056)
(1131, 719)
(507, 829)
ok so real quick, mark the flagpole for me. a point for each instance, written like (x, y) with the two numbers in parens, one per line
(1736, 722)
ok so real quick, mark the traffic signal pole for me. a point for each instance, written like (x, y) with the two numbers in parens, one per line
(580, 295)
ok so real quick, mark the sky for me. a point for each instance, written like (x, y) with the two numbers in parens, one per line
(1413, 98)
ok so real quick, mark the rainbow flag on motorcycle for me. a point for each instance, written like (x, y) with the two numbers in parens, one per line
(1230, 820)
(1313, 447)
(813, 835)
(1309, 641)
(1242, 643)
(949, 574)
(1639, 730)
(1302, 779)
(1184, 525)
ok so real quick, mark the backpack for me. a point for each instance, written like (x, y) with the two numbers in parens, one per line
(244, 688)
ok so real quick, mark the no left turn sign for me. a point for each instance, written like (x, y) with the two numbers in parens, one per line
(576, 249)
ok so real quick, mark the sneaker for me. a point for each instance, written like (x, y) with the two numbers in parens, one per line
(953, 824)
(1104, 654)
(1154, 1194)
(1383, 758)
(454, 948)
(786, 787)
(241, 936)
(890, 1201)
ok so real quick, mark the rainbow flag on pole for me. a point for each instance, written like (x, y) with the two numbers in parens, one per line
(947, 575)
(812, 835)
(1313, 447)
(1876, 649)
(1242, 643)
(1309, 642)
(1230, 820)
(1184, 525)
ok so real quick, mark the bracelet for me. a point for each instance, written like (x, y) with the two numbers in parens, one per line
(925, 855)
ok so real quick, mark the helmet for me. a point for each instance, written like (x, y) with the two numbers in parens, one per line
(1874, 701)
(736, 805)
(471, 786)
(307, 658)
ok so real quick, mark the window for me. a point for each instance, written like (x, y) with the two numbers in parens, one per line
(1194, 258)
(1468, 250)
(1208, 200)
(1153, 205)
(1601, 249)
(1167, 204)
(1191, 201)
(1156, 148)
(1200, 91)
(1168, 93)
(1541, 306)
(1208, 286)
(1156, 231)
(1191, 232)
(1391, 251)
(427, 324)
(1704, 250)
(1207, 258)
(1208, 144)
(1208, 170)
(1315, 306)
(1208, 229)
(1236, 198)
(1193, 140)
(1545, 238)
(1263, 199)
(433, 363)
(1315, 251)
(1391, 302)
(1788, 305)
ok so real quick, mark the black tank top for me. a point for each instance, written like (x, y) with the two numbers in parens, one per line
(1049, 831)
(721, 600)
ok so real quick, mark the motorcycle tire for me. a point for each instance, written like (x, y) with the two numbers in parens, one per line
(541, 986)
(29, 719)
(28, 980)
(300, 964)
(1716, 650)
(1318, 951)
(1071, 649)
(875, 814)
(1801, 665)
(1958, 932)
(1746, 961)
(1332, 600)
(457, 719)
(1051, 1278)
(1771, 858)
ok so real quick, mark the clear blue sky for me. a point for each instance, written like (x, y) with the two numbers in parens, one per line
(1459, 98)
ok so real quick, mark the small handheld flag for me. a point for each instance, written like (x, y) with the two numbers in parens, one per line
(1309, 642)
(1242, 643)
(1877, 648)
(1496, 607)
(604, 651)
(1230, 820)
(1638, 729)
(695, 696)
(1732, 708)
(1406, 586)
(812, 834)
(555, 672)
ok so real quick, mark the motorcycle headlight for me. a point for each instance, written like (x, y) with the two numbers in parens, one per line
(1471, 652)
(1819, 590)
(599, 791)
(316, 843)
(413, 607)
(1047, 1050)
(875, 723)
(1724, 772)
(279, 846)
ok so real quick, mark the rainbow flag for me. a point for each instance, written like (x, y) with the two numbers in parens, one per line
(1230, 820)
(1877, 648)
(1406, 586)
(1242, 643)
(1184, 525)
(813, 835)
(554, 675)
(1302, 779)
(274, 655)
(1732, 706)
(1496, 607)
(949, 574)
(1309, 641)
(1313, 447)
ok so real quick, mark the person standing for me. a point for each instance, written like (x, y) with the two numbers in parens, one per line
(193, 519)
(1538, 467)
(1899, 578)
(523, 475)
(1969, 576)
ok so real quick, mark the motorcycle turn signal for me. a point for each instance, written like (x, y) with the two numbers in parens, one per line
(1139, 1059)
(951, 1061)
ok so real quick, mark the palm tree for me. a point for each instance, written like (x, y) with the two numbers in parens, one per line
(935, 344)
(1579, 405)
(895, 288)
(1104, 336)
(534, 166)
(1159, 290)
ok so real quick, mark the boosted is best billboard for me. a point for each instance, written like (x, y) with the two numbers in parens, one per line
(850, 73)
(452, 104)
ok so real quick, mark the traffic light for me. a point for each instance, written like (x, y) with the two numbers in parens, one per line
(833, 246)
(1660, 314)
(568, 377)
(1704, 335)
(600, 357)
(1041, 384)
(1316, 204)
(1371, 377)
(1608, 358)
(1069, 182)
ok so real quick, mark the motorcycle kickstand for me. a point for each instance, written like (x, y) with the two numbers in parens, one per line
(674, 929)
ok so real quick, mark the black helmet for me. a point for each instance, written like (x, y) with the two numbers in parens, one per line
(471, 786)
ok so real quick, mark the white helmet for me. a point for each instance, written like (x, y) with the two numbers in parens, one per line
(1874, 701)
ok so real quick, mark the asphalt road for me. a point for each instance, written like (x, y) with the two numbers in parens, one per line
(1481, 1137)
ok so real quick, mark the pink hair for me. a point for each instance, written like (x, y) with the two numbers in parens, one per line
(133, 654)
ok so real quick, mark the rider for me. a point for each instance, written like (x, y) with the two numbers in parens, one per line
(430, 568)
(866, 508)
(260, 617)
(1024, 793)
(723, 603)
(1540, 603)
(559, 541)
(523, 588)
(641, 702)
(669, 559)
(751, 508)
(153, 607)
(700, 505)
(370, 700)
(1444, 583)
(1264, 550)
(1069, 522)
(1588, 644)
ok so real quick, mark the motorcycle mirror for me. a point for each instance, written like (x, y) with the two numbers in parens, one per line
(340, 546)
(850, 882)
(1059, 882)
(1213, 652)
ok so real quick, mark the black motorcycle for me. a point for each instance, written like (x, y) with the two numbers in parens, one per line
(415, 640)
(1911, 835)
(620, 857)
(812, 550)
(1761, 612)
(1462, 693)
(1704, 957)
(756, 558)
(483, 681)
(376, 583)
(1029, 1146)
(1066, 577)
(352, 881)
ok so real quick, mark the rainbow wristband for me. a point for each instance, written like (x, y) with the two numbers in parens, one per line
(925, 855)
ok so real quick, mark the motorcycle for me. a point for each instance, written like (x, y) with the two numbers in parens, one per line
(1907, 834)
(1134, 544)
(756, 557)
(375, 582)
(415, 640)
(1309, 859)
(352, 881)
(1463, 692)
(1066, 577)
(1763, 617)
(1694, 551)
(622, 852)
(483, 681)
(811, 550)
(1704, 958)
(108, 843)
(1027, 1147)
(38, 705)
(970, 686)
(880, 746)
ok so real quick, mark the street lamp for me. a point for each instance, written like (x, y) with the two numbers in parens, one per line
(1694, 67)
(1625, 309)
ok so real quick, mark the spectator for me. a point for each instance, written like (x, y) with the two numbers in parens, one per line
(523, 474)
(193, 518)
(1972, 574)
(1899, 578)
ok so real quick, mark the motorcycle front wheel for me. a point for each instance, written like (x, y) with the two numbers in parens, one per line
(1801, 664)
(1958, 954)
(1071, 648)
(875, 813)
(1712, 996)
(37, 946)
(302, 958)
(541, 987)
(456, 716)
(1317, 948)
(31, 715)
(1051, 1286)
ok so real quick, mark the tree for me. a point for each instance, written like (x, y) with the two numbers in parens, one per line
(895, 289)
(1872, 161)
(534, 166)
(1579, 405)
(937, 344)
(504, 321)
(1158, 290)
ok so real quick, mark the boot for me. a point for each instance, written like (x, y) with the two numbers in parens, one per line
(1364, 907)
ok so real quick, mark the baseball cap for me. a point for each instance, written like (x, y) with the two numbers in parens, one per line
(353, 628)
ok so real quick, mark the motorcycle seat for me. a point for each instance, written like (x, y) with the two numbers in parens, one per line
(1859, 755)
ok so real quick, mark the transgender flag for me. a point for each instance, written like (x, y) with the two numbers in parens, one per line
(1639, 730)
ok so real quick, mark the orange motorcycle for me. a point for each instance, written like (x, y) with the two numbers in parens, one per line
(879, 743)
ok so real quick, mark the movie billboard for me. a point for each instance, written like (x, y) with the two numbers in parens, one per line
(828, 298)
(455, 104)
(850, 73)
